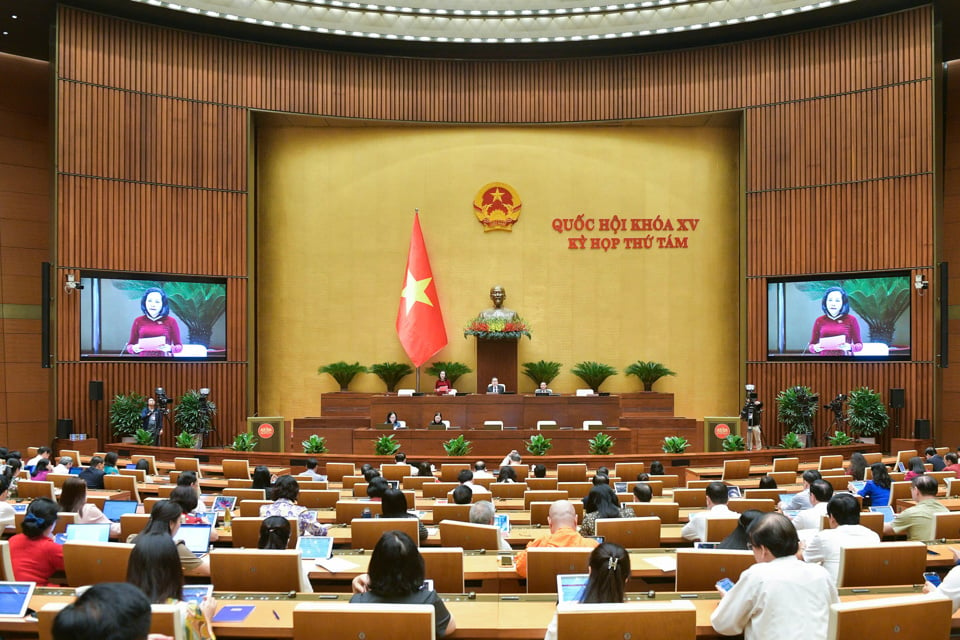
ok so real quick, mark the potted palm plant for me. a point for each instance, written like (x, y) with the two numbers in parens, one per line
(648, 372)
(541, 371)
(866, 414)
(593, 373)
(454, 370)
(391, 373)
(343, 372)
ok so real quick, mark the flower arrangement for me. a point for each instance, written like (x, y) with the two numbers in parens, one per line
(497, 328)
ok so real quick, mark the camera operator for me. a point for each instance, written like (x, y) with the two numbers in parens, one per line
(836, 405)
(750, 415)
(152, 415)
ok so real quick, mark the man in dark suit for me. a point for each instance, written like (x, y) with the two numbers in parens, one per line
(496, 387)
(93, 474)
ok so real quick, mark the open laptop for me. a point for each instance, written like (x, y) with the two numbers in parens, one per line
(886, 510)
(315, 547)
(620, 487)
(87, 533)
(224, 503)
(858, 485)
(75, 471)
(570, 586)
(786, 498)
(502, 520)
(196, 537)
(113, 509)
(14, 598)
(195, 593)
(208, 517)
(733, 491)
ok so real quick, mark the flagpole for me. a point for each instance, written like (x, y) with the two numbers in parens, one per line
(418, 380)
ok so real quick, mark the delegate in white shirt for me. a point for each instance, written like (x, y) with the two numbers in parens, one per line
(696, 528)
(826, 546)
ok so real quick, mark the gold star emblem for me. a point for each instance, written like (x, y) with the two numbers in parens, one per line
(416, 291)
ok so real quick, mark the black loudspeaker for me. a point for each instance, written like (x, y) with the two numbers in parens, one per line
(64, 429)
(96, 390)
(898, 398)
(921, 429)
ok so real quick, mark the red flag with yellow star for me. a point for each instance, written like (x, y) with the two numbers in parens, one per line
(419, 321)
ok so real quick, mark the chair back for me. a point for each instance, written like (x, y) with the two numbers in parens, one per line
(236, 469)
(546, 424)
(73, 453)
(348, 510)
(251, 508)
(668, 512)
(915, 616)
(838, 482)
(438, 489)
(117, 482)
(94, 562)
(6, 563)
(493, 425)
(830, 462)
(699, 484)
(873, 458)
(395, 471)
(187, 464)
(543, 496)
(166, 620)
(628, 470)
(33, 489)
(631, 533)
(509, 490)
(690, 498)
(786, 464)
(539, 511)
(450, 470)
(904, 456)
(131, 523)
(469, 536)
(720, 528)
(575, 490)
(245, 494)
(542, 484)
(544, 563)
(784, 478)
(772, 494)
(743, 504)
(311, 485)
(735, 469)
(701, 569)
(349, 482)
(366, 532)
(665, 620)
(57, 479)
(246, 532)
(352, 620)
(900, 491)
(257, 570)
(318, 499)
(444, 565)
(592, 424)
(887, 563)
(656, 488)
(139, 474)
(458, 512)
(63, 519)
(337, 470)
(416, 482)
(151, 461)
(239, 483)
(572, 472)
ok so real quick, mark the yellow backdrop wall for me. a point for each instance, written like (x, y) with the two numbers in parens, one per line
(334, 215)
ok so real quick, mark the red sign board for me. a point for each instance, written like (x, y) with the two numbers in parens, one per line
(721, 431)
(265, 430)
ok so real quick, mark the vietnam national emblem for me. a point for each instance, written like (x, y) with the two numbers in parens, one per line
(497, 206)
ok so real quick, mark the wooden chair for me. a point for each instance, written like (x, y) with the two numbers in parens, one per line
(539, 511)
(838, 471)
(900, 491)
(131, 523)
(873, 458)
(522, 472)
(904, 456)
(239, 483)
(575, 490)
(735, 470)
(668, 512)
(543, 425)
(63, 519)
(917, 616)
(744, 504)
(771, 494)
(508, 490)
(457, 512)
(337, 470)
(349, 621)
(784, 478)
(720, 528)
(73, 453)
(173, 477)
(656, 488)
(870, 520)
(882, 564)
(348, 510)
(246, 532)
(444, 565)
(699, 484)
(947, 525)
(572, 472)
(118, 482)
(395, 471)
(149, 503)
(318, 499)
(187, 464)
(366, 532)
(953, 487)
(416, 482)
(139, 474)
(838, 482)
(251, 508)
(236, 469)
(92, 562)
(57, 479)
(542, 484)
(246, 494)
(690, 498)
(312, 485)
(165, 619)
(6, 563)
(493, 425)
(438, 489)
(630, 533)
(941, 476)
(151, 461)
(257, 570)
(543, 496)
(830, 462)
(450, 471)
(628, 470)
(544, 563)
(33, 489)
(469, 536)
(786, 464)
(664, 620)
(700, 569)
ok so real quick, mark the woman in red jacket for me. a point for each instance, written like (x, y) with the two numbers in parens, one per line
(34, 554)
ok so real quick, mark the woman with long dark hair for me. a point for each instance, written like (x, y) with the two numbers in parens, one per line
(33, 553)
(858, 465)
(396, 576)
(601, 502)
(394, 505)
(165, 520)
(914, 468)
(73, 499)
(877, 489)
(275, 534)
(739, 538)
(154, 567)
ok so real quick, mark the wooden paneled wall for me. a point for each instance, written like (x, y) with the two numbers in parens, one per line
(24, 244)
(950, 382)
(839, 140)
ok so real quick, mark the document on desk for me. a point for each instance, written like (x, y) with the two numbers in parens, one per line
(336, 564)
(665, 563)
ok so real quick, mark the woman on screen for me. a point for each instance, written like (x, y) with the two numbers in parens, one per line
(836, 333)
(155, 333)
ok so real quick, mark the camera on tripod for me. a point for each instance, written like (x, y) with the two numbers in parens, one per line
(160, 395)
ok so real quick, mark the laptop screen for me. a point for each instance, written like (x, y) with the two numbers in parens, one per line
(787, 497)
(195, 536)
(313, 547)
(88, 533)
(502, 520)
(570, 586)
(113, 509)
(887, 512)
(14, 598)
(224, 503)
(196, 592)
(620, 487)
(733, 491)
(75, 471)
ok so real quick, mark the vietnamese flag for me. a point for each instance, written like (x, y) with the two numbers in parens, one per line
(419, 321)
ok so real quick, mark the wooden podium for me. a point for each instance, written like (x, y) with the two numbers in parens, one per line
(497, 359)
